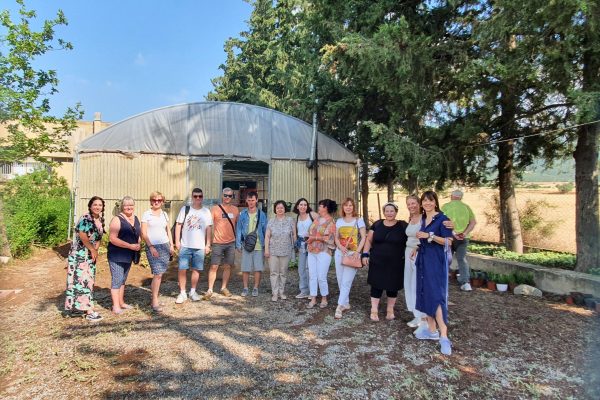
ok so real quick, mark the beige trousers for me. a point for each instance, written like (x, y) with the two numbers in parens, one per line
(279, 268)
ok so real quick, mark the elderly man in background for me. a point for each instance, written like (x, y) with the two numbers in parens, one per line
(464, 222)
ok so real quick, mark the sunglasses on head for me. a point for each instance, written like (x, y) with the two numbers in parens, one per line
(227, 195)
(197, 196)
(156, 200)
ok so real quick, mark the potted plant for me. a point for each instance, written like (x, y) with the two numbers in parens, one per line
(512, 282)
(491, 281)
(502, 282)
(477, 279)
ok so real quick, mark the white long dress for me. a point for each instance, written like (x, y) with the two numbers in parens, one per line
(410, 270)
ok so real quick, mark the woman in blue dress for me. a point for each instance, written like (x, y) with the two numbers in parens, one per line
(432, 271)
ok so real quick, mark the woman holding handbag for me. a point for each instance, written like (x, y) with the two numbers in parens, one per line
(320, 244)
(279, 244)
(123, 249)
(159, 243)
(384, 254)
(349, 228)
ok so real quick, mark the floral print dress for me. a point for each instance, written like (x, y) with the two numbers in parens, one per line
(81, 269)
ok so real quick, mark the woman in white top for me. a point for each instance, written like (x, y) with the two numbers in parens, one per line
(159, 243)
(349, 228)
(305, 218)
(410, 271)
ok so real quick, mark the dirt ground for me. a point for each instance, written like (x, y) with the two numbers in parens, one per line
(505, 346)
(560, 212)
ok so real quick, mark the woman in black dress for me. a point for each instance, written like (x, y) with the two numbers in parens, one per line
(384, 254)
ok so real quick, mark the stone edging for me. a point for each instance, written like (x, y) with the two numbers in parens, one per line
(552, 280)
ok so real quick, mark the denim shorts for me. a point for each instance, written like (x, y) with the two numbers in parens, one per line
(252, 261)
(188, 256)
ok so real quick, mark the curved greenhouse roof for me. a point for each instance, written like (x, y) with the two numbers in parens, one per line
(217, 129)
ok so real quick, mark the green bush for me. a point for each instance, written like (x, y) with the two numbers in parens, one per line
(523, 277)
(565, 187)
(544, 258)
(36, 211)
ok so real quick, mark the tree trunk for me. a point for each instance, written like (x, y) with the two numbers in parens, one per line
(390, 189)
(364, 190)
(509, 213)
(587, 229)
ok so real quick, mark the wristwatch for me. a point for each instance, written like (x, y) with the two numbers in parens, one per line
(431, 237)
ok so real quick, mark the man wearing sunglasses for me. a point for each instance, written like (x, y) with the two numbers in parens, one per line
(193, 235)
(225, 217)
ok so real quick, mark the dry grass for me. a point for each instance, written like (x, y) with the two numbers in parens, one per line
(504, 346)
(560, 212)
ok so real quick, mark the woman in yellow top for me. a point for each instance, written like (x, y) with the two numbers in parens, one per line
(351, 234)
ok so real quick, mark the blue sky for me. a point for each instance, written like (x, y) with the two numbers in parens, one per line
(135, 56)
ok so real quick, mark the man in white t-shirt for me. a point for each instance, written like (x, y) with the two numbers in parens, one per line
(193, 234)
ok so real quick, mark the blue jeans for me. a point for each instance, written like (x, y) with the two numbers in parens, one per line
(459, 248)
(303, 272)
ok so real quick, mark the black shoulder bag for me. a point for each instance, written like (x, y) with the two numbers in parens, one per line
(251, 238)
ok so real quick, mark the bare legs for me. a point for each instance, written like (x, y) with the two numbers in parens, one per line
(212, 276)
(246, 278)
(155, 286)
(182, 278)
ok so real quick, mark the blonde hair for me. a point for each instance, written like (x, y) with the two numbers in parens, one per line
(126, 198)
(156, 193)
(415, 197)
(346, 201)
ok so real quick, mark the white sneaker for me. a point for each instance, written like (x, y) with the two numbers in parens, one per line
(414, 323)
(466, 287)
(195, 296)
(181, 298)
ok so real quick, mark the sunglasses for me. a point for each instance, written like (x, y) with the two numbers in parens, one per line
(198, 196)
(156, 200)
(228, 195)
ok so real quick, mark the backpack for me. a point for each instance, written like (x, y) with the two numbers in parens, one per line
(187, 210)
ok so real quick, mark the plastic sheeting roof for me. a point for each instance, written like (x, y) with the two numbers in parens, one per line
(220, 129)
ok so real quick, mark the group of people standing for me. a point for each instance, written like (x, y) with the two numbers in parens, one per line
(412, 255)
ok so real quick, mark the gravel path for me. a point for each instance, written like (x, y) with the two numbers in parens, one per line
(504, 346)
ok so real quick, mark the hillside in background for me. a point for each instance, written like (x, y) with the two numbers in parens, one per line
(560, 171)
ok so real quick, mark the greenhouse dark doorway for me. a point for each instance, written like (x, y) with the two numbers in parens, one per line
(244, 177)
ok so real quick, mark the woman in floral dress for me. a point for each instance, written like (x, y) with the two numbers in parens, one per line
(81, 267)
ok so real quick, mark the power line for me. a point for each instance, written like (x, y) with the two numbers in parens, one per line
(533, 134)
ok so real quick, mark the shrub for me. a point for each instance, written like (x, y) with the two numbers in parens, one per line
(523, 277)
(533, 225)
(544, 258)
(36, 210)
(565, 187)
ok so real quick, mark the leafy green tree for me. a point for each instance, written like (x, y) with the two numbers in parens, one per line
(25, 90)
(36, 211)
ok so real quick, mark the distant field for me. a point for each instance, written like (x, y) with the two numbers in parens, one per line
(561, 212)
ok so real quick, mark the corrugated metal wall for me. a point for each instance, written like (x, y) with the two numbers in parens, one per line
(337, 181)
(291, 180)
(112, 176)
(207, 176)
